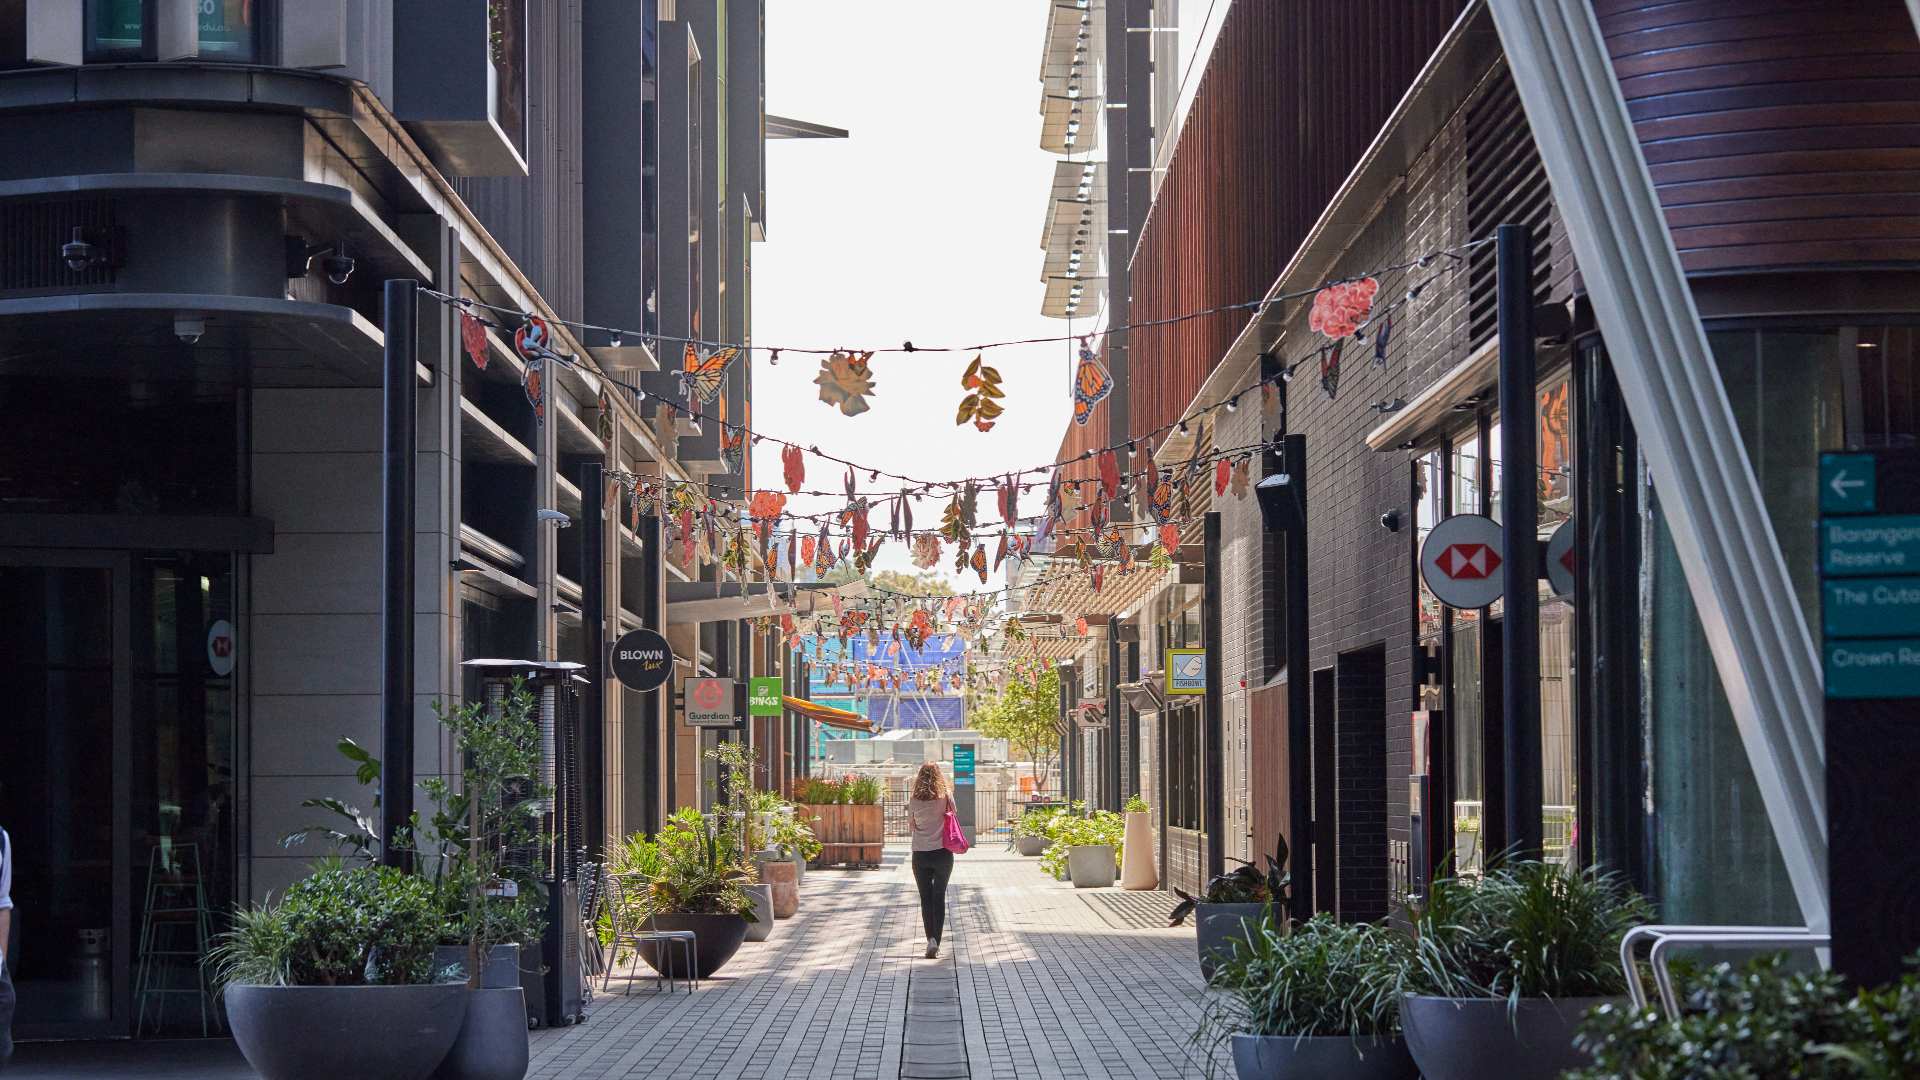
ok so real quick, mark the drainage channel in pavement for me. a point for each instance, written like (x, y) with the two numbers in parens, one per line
(933, 1047)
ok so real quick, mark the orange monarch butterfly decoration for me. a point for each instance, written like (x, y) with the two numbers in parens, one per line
(701, 375)
(733, 447)
(1092, 382)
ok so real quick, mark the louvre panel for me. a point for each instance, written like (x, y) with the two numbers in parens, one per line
(1506, 185)
(31, 234)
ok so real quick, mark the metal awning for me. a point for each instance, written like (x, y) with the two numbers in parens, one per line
(1074, 240)
(1070, 63)
(828, 715)
(786, 127)
(706, 601)
(1120, 592)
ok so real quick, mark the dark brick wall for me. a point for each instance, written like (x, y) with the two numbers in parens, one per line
(1360, 796)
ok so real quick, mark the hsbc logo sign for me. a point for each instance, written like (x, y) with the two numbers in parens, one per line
(1460, 561)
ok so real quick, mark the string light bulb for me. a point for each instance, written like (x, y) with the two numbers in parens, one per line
(613, 342)
(1233, 403)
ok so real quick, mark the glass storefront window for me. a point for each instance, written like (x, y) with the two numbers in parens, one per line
(229, 30)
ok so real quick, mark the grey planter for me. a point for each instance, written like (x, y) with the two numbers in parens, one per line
(718, 938)
(334, 1032)
(1332, 1057)
(1091, 866)
(799, 867)
(761, 928)
(502, 970)
(1032, 845)
(1475, 1038)
(492, 1044)
(1218, 926)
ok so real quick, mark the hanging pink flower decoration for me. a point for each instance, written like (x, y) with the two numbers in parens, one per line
(1338, 310)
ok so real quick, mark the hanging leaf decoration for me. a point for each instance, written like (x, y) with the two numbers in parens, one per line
(982, 405)
(1222, 473)
(1109, 475)
(806, 550)
(1338, 310)
(1009, 498)
(1330, 369)
(1240, 480)
(1170, 538)
(845, 380)
(926, 550)
(857, 519)
(793, 463)
(534, 381)
(473, 335)
(765, 509)
(906, 513)
(953, 523)
(1080, 626)
(1000, 553)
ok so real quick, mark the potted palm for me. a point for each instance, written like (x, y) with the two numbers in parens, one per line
(699, 887)
(336, 979)
(1506, 964)
(1232, 901)
(1319, 1002)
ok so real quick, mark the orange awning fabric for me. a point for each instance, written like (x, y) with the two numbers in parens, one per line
(828, 715)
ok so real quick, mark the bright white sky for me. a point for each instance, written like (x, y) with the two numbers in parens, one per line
(923, 226)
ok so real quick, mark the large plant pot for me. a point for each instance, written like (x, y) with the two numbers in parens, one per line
(1332, 1057)
(848, 833)
(719, 937)
(761, 928)
(1032, 845)
(1136, 852)
(335, 1032)
(1477, 1038)
(501, 972)
(1218, 926)
(492, 1044)
(781, 875)
(799, 867)
(1090, 866)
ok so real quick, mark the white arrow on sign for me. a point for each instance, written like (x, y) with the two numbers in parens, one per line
(1842, 486)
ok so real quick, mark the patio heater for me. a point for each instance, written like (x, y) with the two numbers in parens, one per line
(552, 977)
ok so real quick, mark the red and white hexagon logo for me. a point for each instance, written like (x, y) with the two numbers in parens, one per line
(1460, 561)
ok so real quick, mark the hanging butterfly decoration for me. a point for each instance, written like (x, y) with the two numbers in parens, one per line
(793, 465)
(1380, 341)
(918, 627)
(1000, 553)
(702, 374)
(982, 406)
(733, 448)
(845, 380)
(1330, 369)
(534, 340)
(603, 418)
(1092, 382)
(823, 556)
(980, 562)
(1163, 496)
(473, 335)
(806, 553)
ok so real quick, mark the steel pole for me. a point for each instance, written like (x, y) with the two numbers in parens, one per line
(1299, 686)
(1214, 812)
(400, 440)
(593, 620)
(1519, 518)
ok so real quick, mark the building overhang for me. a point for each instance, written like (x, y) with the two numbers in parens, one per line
(1070, 62)
(1073, 239)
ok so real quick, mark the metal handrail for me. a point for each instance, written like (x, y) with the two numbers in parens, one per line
(1665, 938)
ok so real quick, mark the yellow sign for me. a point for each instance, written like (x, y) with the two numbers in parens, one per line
(1186, 671)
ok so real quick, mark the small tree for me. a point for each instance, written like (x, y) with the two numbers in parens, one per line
(1028, 717)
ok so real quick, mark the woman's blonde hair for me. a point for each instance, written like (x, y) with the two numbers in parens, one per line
(929, 783)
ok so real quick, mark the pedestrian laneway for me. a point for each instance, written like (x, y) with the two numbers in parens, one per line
(1042, 979)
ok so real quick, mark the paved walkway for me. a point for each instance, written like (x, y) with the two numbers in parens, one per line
(1037, 980)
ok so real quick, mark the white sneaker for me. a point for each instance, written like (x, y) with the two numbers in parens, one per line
(933, 948)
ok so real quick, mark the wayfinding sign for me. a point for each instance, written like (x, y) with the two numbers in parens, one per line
(1460, 561)
(1870, 658)
(963, 763)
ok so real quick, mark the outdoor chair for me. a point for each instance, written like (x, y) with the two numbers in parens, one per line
(621, 888)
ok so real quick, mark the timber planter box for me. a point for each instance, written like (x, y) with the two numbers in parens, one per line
(847, 833)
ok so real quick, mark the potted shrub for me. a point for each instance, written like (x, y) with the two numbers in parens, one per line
(1765, 1020)
(1505, 965)
(1232, 902)
(698, 887)
(1030, 830)
(336, 979)
(1136, 865)
(793, 839)
(1085, 849)
(846, 818)
(1319, 1002)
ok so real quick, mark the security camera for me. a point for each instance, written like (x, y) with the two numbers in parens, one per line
(1390, 521)
(339, 266)
(553, 517)
(189, 328)
(79, 252)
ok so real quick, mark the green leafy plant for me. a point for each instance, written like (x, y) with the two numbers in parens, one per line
(846, 791)
(793, 836)
(687, 870)
(1069, 831)
(340, 926)
(1244, 884)
(1027, 715)
(1035, 821)
(1762, 1020)
(1523, 929)
(1320, 979)
(255, 950)
(1137, 805)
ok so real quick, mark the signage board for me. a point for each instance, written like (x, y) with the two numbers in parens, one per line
(963, 763)
(1872, 668)
(220, 648)
(1460, 561)
(1870, 544)
(1559, 561)
(642, 660)
(763, 695)
(709, 703)
(1186, 671)
(1847, 483)
(1870, 607)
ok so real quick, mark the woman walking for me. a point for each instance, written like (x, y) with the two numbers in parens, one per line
(932, 801)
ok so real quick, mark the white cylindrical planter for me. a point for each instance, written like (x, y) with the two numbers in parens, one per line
(1136, 853)
(1091, 866)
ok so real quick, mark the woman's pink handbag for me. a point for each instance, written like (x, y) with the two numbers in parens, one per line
(951, 837)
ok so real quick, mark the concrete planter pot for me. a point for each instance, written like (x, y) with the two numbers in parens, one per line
(761, 928)
(784, 878)
(1218, 926)
(492, 1044)
(718, 938)
(334, 1032)
(1031, 846)
(500, 971)
(1136, 852)
(1332, 1057)
(1475, 1038)
(1091, 867)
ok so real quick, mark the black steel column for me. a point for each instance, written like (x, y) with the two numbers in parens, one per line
(651, 605)
(1299, 685)
(1117, 796)
(398, 456)
(1519, 517)
(1134, 753)
(1214, 817)
(1069, 735)
(593, 622)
